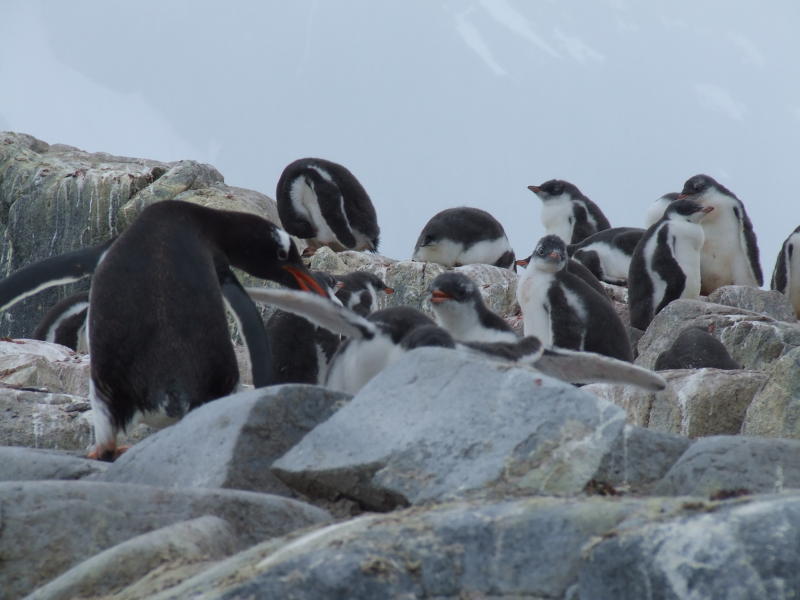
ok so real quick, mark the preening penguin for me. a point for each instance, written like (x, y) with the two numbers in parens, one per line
(463, 236)
(561, 310)
(567, 213)
(607, 254)
(158, 336)
(322, 202)
(730, 250)
(459, 308)
(786, 275)
(657, 208)
(666, 262)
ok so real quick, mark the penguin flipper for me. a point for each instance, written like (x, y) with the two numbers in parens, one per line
(588, 367)
(50, 272)
(320, 311)
(331, 205)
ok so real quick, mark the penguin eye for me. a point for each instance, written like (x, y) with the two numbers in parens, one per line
(540, 251)
(283, 254)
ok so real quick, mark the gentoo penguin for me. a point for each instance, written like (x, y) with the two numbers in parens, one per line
(158, 335)
(657, 208)
(458, 307)
(786, 275)
(695, 348)
(666, 262)
(322, 202)
(65, 323)
(463, 236)
(561, 310)
(359, 291)
(607, 254)
(576, 268)
(730, 250)
(567, 213)
(301, 350)
(385, 336)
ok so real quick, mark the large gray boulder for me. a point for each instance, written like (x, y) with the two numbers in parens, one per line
(766, 302)
(729, 551)
(753, 340)
(230, 442)
(696, 402)
(724, 463)
(426, 429)
(775, 409)
(50, 526)
(30, 464)
(43, 366)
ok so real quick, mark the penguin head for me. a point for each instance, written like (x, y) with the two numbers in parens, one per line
(550, 254)
(359, 290)
(555, 188)
(687, 210)
(699, 186)
(328, 283)
(452, 286)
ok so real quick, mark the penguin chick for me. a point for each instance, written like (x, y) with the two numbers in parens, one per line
(359, 291)
(576, 268)
(561, 310)
(695, 348)
(386, 335)
(607, 254)
(730, 250)
(458, 307)
(323, 203)
(666, 262)
(657, 208)
(463, 236)
(786, 275)
(567, 213)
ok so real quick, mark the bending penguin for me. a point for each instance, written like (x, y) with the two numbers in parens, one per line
(567, 213)
(666, 262)
(695, 348)
(786, 275)
(158, 335)
(323, 203)
(560, 309)
(386, 335)
(463, 236)
(607, 254)
(730, 250)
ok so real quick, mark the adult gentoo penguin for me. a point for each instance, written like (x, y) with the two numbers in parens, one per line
(322, 202)
(458, 307)
(65, 323)
(607, 254)
(158, 336)
(786, 275)
(385, 337)
(567, 213)
(657, 208)
(463, 236)
(666, 262)
(730, 250)
(561, 310)
(359, 291)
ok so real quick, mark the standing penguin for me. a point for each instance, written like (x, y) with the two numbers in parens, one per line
(607, 254)
(561, 310)
(463, 236)
(567, 213)
(459, 308)
(730, 250)
(666, 262)
(158, 335)
(657, 208)
(322, 202)
(786, 275)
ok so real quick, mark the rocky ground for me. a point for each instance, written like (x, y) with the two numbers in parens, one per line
(447, 476)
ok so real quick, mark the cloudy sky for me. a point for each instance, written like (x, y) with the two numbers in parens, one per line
(430, 104)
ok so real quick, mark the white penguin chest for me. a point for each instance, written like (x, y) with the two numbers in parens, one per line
(532, 289)
(305, 203)
(686, 240)
(725, 260)
(359, 362)
(558, 218)
(793, 272)
(614, 262)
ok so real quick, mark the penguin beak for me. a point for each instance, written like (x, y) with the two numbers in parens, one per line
(522, 262)
(535, 189)
(554, 256)
(683, 196)
(388, 290)
(305, 281)
(438, 296)
(707, 209)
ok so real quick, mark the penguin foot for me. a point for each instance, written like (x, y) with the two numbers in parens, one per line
(107, 454)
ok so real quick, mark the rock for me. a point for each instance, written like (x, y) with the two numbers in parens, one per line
(433, 421)
(753, 340)
(193, 543)
(775, 409)
(697, 402)
(723, 463)
(528, 548)
(229, 443)
(738, 551)
(29, 464)
(640, 457)
(50, 526)
(771, 303)
(44, 366)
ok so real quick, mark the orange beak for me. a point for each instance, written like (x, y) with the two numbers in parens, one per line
(438, 296)
(534, 188)
(522, 262)
(388, 290)
(305, 281)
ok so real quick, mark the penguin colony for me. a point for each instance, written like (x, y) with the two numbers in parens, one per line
(168, 349)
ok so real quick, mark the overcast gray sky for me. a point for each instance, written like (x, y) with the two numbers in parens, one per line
(430, 104)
